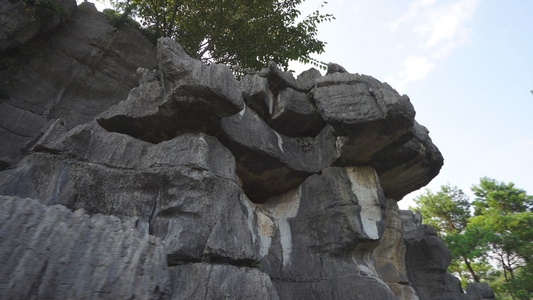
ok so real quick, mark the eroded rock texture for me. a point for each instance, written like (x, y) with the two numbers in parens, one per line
(74, 72)
(199, 186)
(427, 259)
(57, 253)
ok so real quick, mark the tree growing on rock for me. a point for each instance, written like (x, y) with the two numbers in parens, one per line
(242, 33)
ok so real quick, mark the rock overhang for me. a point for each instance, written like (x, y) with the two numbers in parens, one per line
(339, 119)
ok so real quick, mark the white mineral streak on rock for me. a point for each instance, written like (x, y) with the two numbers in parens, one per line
(243, 111)
(201, 138)
(283, 208)
(265, 225)
(271, 102)
(365, 187)
(267, 229)
(250, 214)
(339, 142)
(364, 262)
(279, 106)
(280, 141)
(286, 240)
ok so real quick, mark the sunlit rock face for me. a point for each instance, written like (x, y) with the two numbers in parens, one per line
(271, 187)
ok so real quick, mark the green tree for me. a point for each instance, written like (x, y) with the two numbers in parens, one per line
(500, 197)
(240, 33)
(448, 212)
(500, 230)
(505, 214)
(469, 248)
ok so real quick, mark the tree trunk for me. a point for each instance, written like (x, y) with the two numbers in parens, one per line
(476, 279)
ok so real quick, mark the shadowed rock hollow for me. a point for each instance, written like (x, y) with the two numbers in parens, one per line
(190, 184)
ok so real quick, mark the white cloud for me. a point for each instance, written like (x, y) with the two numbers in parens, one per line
(414, 68)
(439, 27)
(415, 8)
(446, 22)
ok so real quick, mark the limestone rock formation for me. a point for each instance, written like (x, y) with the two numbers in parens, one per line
(62, 254)
(186, 183)
(22, 21)
(427, 259)
(74, 72)
(479, 291)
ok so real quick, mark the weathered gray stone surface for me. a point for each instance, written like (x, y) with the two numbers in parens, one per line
(317, 240)
(217, 281)
(268, 188)
(293, 114)
(158, 110)
(52, 252)
(306, 80)
(20, 21)
(479, 291)
(256, 93)
(427, 259)
(74, 72)
(144, 184)
(408, 166)
(390, 254)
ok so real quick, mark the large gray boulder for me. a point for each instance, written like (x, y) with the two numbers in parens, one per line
(294, 114)
(167, 104)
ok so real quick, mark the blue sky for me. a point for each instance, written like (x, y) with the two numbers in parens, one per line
(467, 66)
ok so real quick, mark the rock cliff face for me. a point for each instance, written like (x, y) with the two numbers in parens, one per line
(199, 186)
(74, 72)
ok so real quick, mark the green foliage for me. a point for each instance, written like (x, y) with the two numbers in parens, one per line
(242, 33)
(447, 211)
(256, 264)
(521, 286)
(470, 244)
(499, 197)
(505, 212)
(116, 19)
(501, 230)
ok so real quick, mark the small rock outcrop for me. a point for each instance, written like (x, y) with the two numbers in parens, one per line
(479, 291)
(195, 185)
(427, 259)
